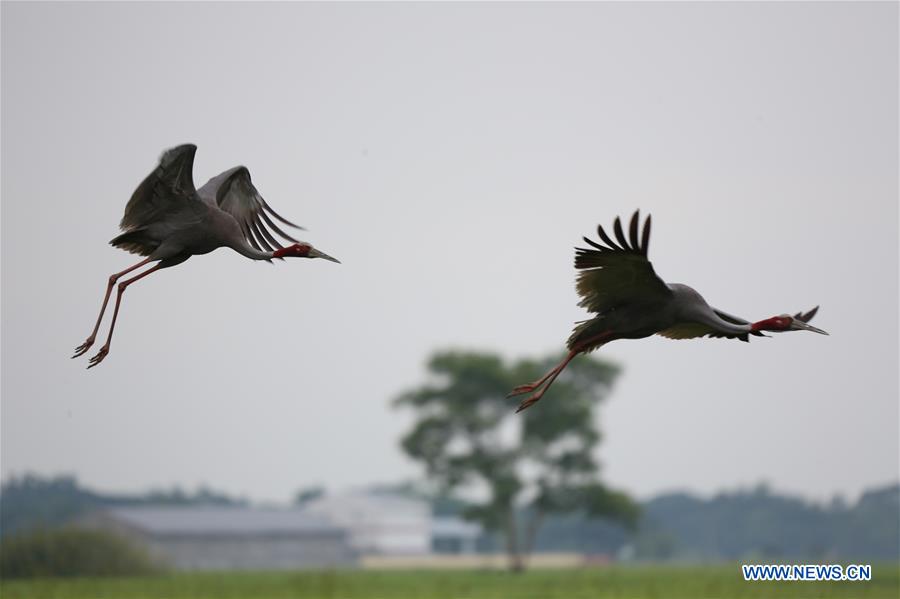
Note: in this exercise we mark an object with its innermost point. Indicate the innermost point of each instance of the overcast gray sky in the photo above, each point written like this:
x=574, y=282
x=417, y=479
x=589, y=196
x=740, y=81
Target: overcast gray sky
x=451, y=155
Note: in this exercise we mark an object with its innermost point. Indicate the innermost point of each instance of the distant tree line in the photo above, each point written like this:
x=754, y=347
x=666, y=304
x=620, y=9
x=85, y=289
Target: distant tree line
x=31, y=502
x=753, y=523
x=759, y=523
x=73, y=552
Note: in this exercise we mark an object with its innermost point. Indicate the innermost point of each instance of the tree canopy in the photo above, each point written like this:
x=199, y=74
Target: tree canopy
x=469, y=439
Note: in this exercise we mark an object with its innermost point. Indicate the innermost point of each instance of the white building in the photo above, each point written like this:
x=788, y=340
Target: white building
x=383, y=524
x=453, y=535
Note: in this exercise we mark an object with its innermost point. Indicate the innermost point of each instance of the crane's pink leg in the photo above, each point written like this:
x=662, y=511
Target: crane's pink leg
x=112, y=281
x=549, y=378
x=529, y=387
x=544, y=383
x=122, y=287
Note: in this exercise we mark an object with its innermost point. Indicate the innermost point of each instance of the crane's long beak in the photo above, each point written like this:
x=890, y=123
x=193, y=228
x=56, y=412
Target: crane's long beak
x=799, y=325
x=314, y=253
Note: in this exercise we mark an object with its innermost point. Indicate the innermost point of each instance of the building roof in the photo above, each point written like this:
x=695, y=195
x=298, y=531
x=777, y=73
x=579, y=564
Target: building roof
x=222, y=520
x=451, y=526
x=361, y=505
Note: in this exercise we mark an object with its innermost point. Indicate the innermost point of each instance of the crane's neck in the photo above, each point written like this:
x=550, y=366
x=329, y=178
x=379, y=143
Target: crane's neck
x=720, y=324
x=692, y=307
x=776, y=323
x=245, y=249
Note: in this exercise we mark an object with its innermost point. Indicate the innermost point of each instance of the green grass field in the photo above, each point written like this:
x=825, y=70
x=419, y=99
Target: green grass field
x=636, y=582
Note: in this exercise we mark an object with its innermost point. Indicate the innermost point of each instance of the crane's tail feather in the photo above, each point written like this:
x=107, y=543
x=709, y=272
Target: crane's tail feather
x=589, y=335
x=136, y=241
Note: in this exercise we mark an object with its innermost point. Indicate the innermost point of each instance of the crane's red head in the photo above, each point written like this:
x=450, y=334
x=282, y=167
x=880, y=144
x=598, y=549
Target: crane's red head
x=776, y=323
x=784, y=322
x=297, y=250
x=302, y=250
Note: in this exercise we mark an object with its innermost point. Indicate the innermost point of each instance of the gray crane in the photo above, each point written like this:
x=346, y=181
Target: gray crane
x=168, y=220
x=617, y=282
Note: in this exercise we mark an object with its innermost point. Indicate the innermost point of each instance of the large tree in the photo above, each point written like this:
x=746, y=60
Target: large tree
x=539, y=461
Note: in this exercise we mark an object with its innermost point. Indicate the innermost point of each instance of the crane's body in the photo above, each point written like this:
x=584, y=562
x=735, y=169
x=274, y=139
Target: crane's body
x=168, y=220
x=684, y=314
x=617, y=282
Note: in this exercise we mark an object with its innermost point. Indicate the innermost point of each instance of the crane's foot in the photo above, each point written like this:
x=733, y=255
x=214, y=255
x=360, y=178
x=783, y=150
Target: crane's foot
x=527, y=388
x=529, y=401
x=99, y=357
x=82, y=349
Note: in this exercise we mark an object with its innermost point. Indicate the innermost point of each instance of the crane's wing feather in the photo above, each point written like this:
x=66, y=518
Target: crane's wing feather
x=806, y=317
x=234, y=193
x=687, y=330
x=618, y=272
x=163, y=191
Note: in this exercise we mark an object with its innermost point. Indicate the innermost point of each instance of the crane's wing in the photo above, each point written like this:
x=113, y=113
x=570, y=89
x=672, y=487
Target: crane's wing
x=618, y=273
x=164, y=190
x=234, y=193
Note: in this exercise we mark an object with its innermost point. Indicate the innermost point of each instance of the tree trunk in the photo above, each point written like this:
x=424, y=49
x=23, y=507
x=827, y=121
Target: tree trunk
x=537, y=518
x=512, y=543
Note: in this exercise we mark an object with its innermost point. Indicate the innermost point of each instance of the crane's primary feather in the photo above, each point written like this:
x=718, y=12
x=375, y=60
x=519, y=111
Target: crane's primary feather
x=618, y=273
x=234, y=192
x=808, y=316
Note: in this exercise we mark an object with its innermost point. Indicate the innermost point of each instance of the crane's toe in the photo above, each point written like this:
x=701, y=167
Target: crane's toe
x=82, y=349
x=527, y=403
x=527, y=388
x=99, y=357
